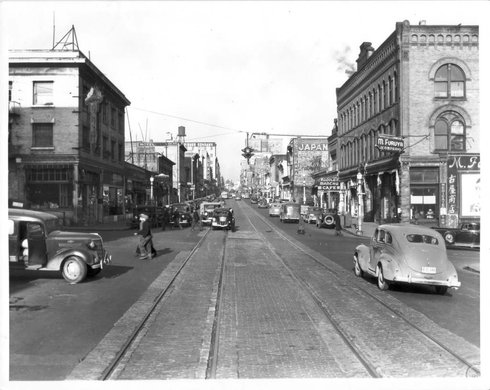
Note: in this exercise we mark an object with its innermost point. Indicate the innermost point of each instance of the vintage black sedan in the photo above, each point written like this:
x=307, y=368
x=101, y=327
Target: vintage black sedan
x=409, y=254
x=37, y=243
x=466, y=235
x=223, y=219
x=326, y=219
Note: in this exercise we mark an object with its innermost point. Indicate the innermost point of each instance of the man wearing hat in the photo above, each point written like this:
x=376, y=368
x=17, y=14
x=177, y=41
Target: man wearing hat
x=145, y=243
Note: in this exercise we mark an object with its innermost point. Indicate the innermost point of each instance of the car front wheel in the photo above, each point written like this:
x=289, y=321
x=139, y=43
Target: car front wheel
x=74, y=270
x=449, y=237
x=382, y=283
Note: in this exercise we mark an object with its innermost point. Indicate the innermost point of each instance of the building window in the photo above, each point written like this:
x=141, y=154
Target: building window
x=10, y=91
x=86, y=138
x=105, y=108
x=424, y=190
x=121, y=122
x=42, y=135
x=450, y=133
x=449, y=81
x=113, y=118
x=43, y=93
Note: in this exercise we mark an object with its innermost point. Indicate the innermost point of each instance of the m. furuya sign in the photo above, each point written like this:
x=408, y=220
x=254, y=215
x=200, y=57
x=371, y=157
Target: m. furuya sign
x=389, y=143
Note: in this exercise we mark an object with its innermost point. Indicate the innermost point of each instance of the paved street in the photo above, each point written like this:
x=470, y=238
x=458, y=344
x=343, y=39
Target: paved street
x=280, y=315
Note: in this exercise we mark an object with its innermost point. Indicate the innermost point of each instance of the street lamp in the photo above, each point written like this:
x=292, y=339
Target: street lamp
x=304, y=190
x=359, y=199
x=151, y=188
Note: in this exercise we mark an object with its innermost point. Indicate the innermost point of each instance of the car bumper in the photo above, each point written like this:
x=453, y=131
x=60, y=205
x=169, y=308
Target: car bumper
x=428, y=281
x=219, y=225
x=103, y=262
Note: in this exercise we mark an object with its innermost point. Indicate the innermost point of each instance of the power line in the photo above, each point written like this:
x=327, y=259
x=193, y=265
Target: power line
x=188, y=120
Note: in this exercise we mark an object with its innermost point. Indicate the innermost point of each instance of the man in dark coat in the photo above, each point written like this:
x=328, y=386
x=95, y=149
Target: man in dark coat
x=338, y=227
x=145, y=244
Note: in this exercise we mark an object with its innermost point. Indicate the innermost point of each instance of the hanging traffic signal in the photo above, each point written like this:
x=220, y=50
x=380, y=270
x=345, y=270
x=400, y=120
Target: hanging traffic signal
x=247, y=152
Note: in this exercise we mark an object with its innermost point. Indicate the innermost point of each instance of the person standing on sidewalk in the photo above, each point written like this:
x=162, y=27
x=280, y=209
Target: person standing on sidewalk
x=145, y=243
x=176, y=216
x=338, y=227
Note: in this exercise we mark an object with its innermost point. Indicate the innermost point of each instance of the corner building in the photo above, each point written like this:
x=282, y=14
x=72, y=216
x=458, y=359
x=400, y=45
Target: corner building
x=420, y=89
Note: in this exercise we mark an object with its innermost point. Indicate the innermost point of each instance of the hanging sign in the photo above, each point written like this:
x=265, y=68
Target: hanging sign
x=329, y=184
x=388, y=143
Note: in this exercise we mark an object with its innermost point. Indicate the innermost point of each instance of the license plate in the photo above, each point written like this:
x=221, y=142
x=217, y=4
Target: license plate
x=429, y=270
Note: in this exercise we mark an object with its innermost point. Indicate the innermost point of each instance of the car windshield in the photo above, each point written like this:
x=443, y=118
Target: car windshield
x=222, y=212
x=211, y=206
x=422, y=238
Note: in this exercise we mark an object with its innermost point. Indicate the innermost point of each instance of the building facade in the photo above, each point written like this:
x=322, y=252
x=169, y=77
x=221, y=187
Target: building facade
x=408, y=126
x=66, y=136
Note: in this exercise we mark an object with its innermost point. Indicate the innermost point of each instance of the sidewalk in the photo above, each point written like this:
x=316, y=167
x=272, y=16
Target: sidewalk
x=368, y=229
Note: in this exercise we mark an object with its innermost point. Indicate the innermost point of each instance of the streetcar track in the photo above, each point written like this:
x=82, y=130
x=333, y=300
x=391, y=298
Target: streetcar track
x=371, y=368
x=121, y=355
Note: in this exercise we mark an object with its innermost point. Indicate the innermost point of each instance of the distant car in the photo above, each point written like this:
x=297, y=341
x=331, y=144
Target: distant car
x=466, y=235
x=254, y=200
x=37, y=243
x=409, y=254
x=155, y=215
x=326, y=219
x=275, y=209
x=223, y=219
x=263, y=204
x=206, y=211
x=185, y=214
x=313, y=214
x=289, y=212
x=238, y=197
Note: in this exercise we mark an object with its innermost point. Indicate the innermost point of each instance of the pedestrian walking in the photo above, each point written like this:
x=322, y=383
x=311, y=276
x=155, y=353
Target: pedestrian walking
x=165, y=217
x=195, y=220
x=145, y=244
x=338, y=227
x=176, y=216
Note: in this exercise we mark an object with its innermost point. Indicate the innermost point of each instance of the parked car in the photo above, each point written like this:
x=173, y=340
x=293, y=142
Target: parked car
x=405, y=253
x=275, y=210
x=185, y=214
x=313, y=214
x=206, y=211
x=223, y=219
x=466, y=235
x=289, y=212
x=37, y=243
x=155, y=215
x=263, y=204
x=254, y=199
x=326, y=219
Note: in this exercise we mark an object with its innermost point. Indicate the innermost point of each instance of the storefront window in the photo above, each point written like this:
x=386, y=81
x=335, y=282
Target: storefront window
x=423, y=202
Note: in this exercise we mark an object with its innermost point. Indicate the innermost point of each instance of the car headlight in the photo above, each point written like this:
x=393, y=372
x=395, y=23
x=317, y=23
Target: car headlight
x=91, y=245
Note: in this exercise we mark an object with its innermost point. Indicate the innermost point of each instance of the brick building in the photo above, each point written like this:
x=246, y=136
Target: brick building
x=66, y=136
x=408, y=127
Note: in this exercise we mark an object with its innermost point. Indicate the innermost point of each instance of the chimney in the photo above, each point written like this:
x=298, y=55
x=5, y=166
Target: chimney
x=366, y=52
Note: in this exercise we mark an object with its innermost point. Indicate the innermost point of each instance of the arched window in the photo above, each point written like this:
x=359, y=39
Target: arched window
x=385, y=93
x=450, y=132
x=390, y=91
x=449, y=81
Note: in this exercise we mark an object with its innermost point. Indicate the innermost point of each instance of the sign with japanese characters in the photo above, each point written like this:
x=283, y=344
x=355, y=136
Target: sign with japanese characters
x=463, y=187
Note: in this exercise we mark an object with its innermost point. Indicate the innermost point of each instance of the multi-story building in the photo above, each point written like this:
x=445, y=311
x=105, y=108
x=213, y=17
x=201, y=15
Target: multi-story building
x=408, y=126
x=66, y=135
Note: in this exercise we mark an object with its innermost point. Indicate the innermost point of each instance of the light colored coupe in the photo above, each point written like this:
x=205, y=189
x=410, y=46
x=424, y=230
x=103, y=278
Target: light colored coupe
x=274, y=210
x=405, y=253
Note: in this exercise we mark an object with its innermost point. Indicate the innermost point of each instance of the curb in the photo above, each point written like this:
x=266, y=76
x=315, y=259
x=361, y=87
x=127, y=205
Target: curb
x=471, y=269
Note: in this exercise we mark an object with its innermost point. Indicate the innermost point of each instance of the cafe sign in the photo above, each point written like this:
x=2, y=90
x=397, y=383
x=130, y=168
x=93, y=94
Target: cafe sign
x=388, y=143
x=329, y=184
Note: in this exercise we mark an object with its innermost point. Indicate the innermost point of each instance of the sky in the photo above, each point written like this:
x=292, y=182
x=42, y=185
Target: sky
x=224, y=68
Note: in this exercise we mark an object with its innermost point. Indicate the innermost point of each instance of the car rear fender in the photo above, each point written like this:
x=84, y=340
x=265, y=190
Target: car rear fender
x=390, y=266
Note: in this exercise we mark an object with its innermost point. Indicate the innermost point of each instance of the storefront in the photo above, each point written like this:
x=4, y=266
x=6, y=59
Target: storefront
x=460, y=194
